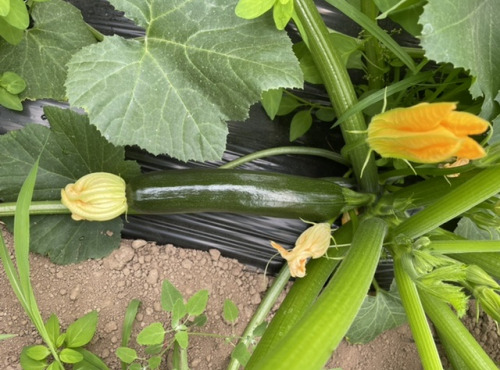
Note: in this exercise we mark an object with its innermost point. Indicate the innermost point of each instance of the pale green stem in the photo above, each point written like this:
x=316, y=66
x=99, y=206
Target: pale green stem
x=263, y=310
x=312, y=340
x=416, y=317
x=340, y=91
x=456, y=334
x=286, y=150
x=44, y=207
x=464, y=246
x=476, y=190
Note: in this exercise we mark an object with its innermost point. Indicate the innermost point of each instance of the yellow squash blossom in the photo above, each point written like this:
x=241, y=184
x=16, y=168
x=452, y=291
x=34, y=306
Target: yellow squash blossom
x=98, y=196
x=312, y=243
x=426, y=133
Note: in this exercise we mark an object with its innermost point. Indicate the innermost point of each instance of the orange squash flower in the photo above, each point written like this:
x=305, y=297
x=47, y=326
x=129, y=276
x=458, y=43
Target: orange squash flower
x=426, y=133
x=312, y=243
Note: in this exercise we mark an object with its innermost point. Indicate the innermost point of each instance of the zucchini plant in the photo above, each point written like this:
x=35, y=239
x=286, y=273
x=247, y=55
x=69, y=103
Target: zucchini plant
x=420, y=141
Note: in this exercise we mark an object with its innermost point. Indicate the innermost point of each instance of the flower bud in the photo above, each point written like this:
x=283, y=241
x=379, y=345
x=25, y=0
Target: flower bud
x=426, y=133
x=489, y=301
x=98, y=196
x=312, y=243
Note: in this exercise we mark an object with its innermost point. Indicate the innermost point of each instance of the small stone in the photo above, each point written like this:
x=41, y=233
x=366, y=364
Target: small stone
x=256, y=298
x=119, y=258
x=152, y=277
x=75, y=292
x=196, y=362
x=157, y=306
x=214, y=253
x=136, y=244
x=110, y=327
x=187, y=264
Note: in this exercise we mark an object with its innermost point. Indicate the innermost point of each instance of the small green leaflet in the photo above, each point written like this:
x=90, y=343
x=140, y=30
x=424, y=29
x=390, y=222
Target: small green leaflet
x=74, y=148
x=466, y=34
x=40, y=58
x=198, y=66
x=376, y=315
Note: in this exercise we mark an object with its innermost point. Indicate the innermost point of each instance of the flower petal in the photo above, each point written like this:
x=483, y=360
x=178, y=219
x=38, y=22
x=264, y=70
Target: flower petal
x=419, y=118
x=470, y=149
x=464, y=124
x=424, y=147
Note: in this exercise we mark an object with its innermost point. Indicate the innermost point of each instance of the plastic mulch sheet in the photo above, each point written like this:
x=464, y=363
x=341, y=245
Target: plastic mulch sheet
x=242, y=237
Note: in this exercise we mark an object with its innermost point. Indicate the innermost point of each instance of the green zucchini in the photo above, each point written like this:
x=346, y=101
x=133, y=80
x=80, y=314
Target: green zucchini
x=240, y=191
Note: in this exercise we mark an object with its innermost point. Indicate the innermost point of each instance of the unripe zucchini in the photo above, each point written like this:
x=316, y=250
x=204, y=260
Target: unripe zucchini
x=240, y=191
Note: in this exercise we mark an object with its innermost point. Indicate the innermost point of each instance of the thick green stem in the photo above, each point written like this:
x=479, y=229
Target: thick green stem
x=375, y=62
x=286, y=150
x=416, y=317
x=479, y=188
x=312, y=340
x=464, y=246
x=456, y=334
x=263, y=310
x=340, y=91
x=301, y=296
x=45, y=207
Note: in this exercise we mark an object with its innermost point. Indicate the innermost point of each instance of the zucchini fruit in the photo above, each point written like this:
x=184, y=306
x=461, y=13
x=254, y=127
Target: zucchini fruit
x=240, y=191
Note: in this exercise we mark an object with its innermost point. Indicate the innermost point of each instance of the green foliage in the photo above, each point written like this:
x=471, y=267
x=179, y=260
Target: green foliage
x=301, y=123
x=171, y=92
x=41, y=55
x=11, y=84
x=377, y=314
x=71, y=149
x=231, y=311
x=158, y=340
x=448, y=26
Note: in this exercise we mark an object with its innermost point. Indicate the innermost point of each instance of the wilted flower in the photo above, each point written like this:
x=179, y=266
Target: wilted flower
x=426, y=133
x=98, y=196
x=312, y=243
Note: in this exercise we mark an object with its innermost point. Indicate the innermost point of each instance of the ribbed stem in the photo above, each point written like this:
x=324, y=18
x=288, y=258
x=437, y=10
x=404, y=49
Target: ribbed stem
x=416, y=317
x=340, y=91
x=312, y=340
x=479, y=188
x=456, y=334
x=301, y=296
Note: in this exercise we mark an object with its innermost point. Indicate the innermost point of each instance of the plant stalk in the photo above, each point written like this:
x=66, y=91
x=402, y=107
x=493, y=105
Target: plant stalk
x=301, y=296
x=312, y=340
x=464, y=246
x=263, y=310
x=340, y=91
x=416, y=317
x=482, y=186
x=286, y=150
x=456, y=334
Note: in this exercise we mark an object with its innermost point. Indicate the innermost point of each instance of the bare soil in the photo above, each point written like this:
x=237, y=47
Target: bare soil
x=137, y=270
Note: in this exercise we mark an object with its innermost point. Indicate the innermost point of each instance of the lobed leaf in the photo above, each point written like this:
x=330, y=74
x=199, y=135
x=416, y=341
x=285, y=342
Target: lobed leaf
x=377, y=314
x=466, y=34
x=198, y=66
x=41, y=55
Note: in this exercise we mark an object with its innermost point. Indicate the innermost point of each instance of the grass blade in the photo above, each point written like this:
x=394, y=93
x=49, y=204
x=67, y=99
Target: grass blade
x=380, y=94
x=21, y=232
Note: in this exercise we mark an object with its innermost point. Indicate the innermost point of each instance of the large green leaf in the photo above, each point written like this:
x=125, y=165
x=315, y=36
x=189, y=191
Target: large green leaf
x=40, y=58
x=378, y=313
x=467, y=34
x=71, y=149
x=198, y=66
